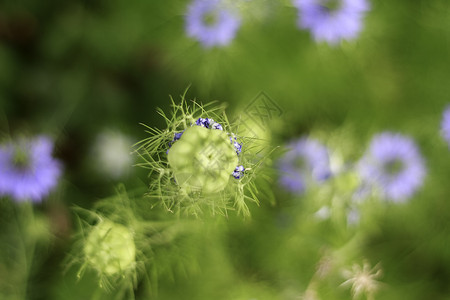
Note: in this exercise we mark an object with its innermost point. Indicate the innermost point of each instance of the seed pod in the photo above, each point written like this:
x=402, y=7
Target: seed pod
x=110, y=248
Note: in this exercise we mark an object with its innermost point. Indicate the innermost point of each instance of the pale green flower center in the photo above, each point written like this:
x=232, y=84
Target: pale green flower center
x=203, y=160
x=301, y=164
x=394, y=167
x=331, y=5
x=210, y=18
x=21, y=158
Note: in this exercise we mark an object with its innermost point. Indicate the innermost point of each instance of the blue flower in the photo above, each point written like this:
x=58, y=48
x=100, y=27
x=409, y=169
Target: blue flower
x=27, y=169
x=307, y=162
x=394, y=165
x=237, y=146
x=217, y=126
x=332, y=20
x=205, y=122
x=238, y=173
x=445, y=125
x=212, y=22
x=208, y=123
x=176, y=137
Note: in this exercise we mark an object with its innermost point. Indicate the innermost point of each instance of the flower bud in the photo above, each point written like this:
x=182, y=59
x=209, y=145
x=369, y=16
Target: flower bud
x=110, y=248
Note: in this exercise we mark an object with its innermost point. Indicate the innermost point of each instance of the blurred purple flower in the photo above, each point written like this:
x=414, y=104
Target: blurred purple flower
x=27, y=169
x=306, y=162
x=445, y=125
x=212, y=22
x=332, y=20
x=394, y=165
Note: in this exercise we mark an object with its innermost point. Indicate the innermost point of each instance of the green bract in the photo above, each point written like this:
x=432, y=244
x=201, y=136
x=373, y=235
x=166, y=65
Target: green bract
x=203, y=160
x=110, y=248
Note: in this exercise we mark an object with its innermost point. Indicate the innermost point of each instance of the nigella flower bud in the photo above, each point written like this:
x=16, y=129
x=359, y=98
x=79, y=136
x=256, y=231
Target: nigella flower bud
x=202, y=163
x=202, y=160
x=110, y=248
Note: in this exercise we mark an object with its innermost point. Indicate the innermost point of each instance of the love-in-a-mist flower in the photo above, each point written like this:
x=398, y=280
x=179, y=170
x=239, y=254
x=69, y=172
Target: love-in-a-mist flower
x=393, y=165
x=199, y=162
x=306, y=163
x=110, y=248
x=28, y=170
x=332, y=20
x=445, y=125
x=212, y=22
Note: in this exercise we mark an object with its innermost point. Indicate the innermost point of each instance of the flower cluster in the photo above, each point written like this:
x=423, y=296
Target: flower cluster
x=392, y=166
x=216, y=22
x=28, y=170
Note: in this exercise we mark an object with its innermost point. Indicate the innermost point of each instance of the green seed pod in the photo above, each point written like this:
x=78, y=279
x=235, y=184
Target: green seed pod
x=110, y=248
x=203, y=160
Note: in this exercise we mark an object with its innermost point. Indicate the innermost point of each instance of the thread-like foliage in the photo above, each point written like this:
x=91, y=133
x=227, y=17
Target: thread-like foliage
x=164, y=189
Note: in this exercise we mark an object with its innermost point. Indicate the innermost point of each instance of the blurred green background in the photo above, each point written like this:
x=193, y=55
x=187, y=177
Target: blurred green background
x=73, y=69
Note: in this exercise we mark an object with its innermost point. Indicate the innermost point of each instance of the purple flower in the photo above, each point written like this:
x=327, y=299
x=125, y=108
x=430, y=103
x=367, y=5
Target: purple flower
x=212, y=22
x=445, y=125
x=176, y=137
x=208, y=123
x=217, y=126
x=332, y=20
x=205, y=122
x=27, y=169
x=306, y=162
x=237, y=146
x=394, y=165
x=238, y=173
